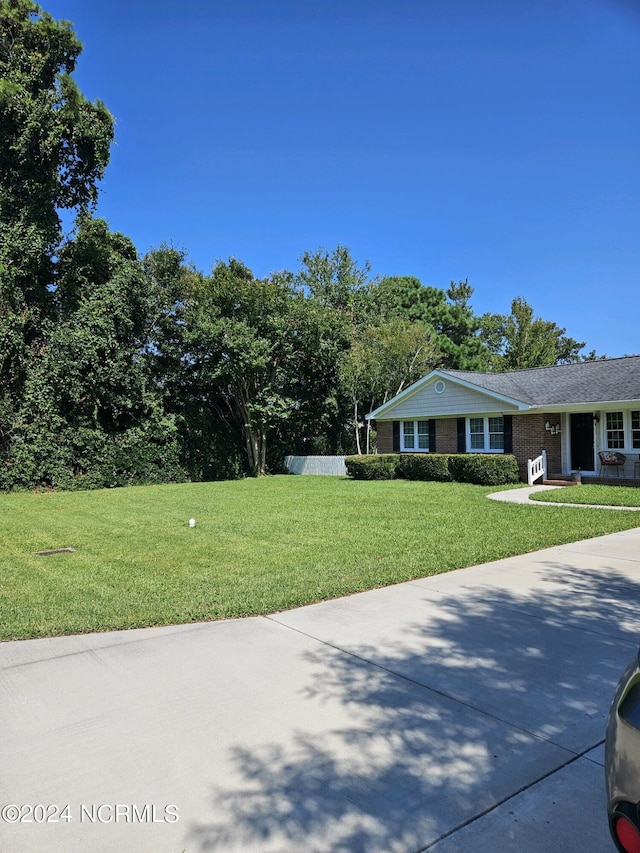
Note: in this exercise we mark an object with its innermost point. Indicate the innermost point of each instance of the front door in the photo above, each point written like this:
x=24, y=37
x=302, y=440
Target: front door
x=582, y=442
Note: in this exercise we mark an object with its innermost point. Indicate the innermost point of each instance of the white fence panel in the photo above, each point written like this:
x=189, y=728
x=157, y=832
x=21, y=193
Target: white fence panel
x=318, y=465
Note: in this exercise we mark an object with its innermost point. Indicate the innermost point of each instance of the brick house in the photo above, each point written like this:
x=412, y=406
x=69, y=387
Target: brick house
x=572, y=411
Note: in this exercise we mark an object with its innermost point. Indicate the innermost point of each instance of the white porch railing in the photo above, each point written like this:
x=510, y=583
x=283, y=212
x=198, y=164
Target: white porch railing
x=537, y=468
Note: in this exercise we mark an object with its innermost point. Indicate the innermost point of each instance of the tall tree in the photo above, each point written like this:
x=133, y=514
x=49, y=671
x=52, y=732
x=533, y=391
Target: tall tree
x=448, y=313
x=334, y=279
x=54, y=147
x=209, y=449
x=382, y=361
x=250, y=344
x=520, y=340
x=92, y=412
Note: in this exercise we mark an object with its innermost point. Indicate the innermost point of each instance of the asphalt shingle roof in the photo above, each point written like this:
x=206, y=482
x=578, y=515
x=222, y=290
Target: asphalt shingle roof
x=606, y=380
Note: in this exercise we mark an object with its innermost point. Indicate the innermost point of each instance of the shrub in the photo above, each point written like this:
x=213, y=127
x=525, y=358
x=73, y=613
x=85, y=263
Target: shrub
x=63, y=457
x=484, y=469
x=424, y=466
x=377, y=467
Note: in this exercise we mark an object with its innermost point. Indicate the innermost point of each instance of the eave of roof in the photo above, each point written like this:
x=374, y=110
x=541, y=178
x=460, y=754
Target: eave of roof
x=443, y=374
x=601, y=381
x=579, y=386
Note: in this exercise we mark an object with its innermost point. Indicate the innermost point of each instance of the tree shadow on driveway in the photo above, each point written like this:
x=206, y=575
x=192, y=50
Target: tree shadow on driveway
x=457, y=700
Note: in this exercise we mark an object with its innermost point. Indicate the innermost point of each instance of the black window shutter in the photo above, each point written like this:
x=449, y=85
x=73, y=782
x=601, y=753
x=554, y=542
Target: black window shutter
x=462, y=435
x=432, y=435
x=508, y=434
x=396, y=436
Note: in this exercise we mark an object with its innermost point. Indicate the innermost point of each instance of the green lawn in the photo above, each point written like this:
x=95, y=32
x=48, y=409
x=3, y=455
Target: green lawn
x=258, y=546
x=599, y=495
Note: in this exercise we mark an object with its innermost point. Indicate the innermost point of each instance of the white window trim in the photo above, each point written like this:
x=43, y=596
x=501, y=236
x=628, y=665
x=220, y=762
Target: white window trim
x=626, y=426
x=485, y=419
x=415, y=449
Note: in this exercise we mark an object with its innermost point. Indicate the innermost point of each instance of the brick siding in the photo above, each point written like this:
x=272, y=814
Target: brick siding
x=384, y=440
x=529, y=439
x=447, y=435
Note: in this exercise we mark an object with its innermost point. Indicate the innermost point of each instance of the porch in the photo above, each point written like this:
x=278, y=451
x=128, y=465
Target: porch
x=566, y=480
x=612, y=481
x=587, y=435
x=623, y=475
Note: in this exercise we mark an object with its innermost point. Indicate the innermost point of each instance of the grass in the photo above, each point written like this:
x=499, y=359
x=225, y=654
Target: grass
x=258, y=546
x=598, y=495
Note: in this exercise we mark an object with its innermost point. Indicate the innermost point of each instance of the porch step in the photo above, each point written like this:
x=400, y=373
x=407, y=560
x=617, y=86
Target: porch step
x=559, y=482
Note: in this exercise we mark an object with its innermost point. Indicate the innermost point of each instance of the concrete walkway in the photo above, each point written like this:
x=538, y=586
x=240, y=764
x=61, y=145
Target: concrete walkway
x=521, y=496
x=459, y=712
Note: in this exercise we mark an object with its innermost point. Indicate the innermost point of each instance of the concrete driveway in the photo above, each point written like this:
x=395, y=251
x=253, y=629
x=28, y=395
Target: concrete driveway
x=460, y=712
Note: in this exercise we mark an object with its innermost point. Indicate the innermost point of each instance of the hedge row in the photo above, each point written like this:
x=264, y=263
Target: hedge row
x=382, y=466
x=484, y=469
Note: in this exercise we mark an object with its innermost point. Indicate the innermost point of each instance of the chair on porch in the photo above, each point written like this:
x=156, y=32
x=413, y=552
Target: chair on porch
x=611, y=459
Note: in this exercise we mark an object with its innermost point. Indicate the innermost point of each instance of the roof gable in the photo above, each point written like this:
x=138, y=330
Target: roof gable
x=603, y=381
x=441, y=393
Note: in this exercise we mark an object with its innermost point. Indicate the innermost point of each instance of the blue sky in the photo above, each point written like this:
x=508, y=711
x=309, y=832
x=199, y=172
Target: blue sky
x=491, y=139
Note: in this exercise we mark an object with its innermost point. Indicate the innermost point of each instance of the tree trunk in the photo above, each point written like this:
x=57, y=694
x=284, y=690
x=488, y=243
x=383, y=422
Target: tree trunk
x=263, y=453
x=371, y=404
x=356, y=427
x=252, y=443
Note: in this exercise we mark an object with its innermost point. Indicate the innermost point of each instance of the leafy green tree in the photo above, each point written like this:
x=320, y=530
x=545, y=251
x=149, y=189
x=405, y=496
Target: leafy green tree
x=521, y=340
x=316, y=423
x=381, y=362
x=400, y=296
x=252, y=346
x=592, y=355
x=210, y=440
x=448, y=313
x=54, y=147
x=91, y=412
x=334, y=280
x=172, y=280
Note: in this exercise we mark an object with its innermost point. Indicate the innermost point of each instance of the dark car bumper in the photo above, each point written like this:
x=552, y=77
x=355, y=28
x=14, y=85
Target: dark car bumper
x=622, y=761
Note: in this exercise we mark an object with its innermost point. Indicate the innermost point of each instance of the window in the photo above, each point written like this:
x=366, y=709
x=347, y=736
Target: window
x=615, y=430
x=485, y=435
x=408, y=435
x=496, y=433
x=415, y=435
x=476, y=433
x=423, y=435
x=635, y=429
x=618, y=427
